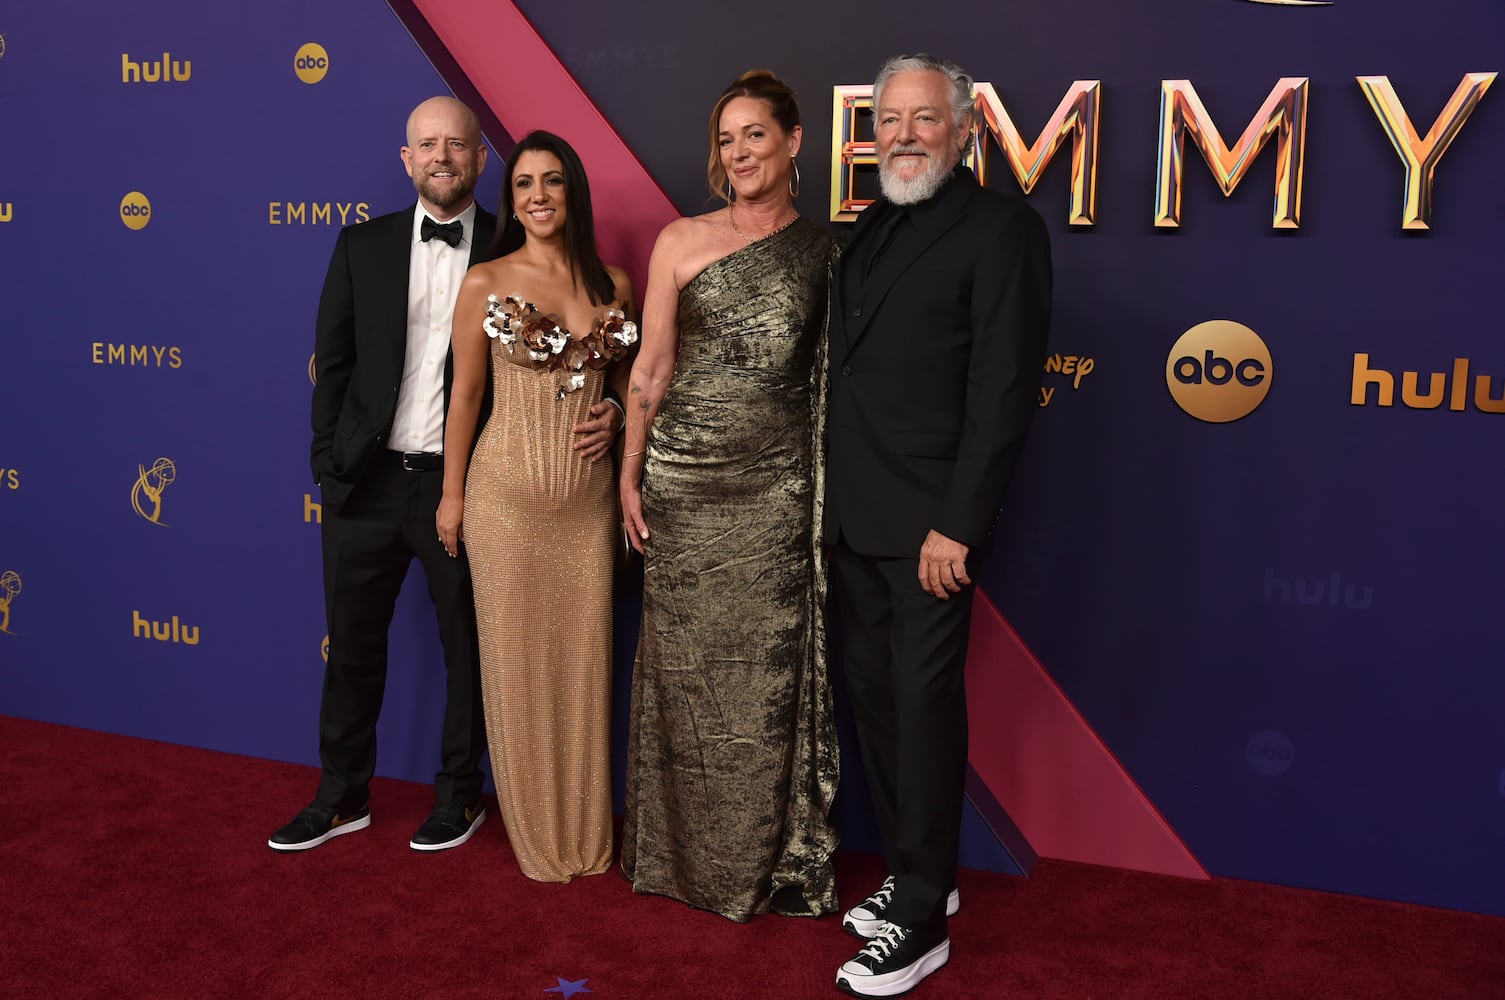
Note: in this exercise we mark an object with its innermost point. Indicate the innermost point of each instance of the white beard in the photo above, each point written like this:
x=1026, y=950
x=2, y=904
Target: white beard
x=917, y=189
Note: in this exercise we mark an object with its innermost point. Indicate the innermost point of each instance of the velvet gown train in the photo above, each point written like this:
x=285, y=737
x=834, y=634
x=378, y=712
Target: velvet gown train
x=732, y=758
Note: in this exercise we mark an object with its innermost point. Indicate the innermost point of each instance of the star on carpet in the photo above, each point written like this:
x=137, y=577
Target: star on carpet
x=567, y=989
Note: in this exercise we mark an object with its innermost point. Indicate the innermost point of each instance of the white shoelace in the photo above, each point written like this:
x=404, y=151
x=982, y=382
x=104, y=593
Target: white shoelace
x=884, y=942
x=878, y=901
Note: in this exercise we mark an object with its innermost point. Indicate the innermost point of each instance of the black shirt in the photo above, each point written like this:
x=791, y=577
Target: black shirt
x=891, y=234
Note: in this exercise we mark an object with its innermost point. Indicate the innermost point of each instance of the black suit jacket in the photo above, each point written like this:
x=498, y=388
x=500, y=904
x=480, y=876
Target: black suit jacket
x=360, y=344
x=935, y=370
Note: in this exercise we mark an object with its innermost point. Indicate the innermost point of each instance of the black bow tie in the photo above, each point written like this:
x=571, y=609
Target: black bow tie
x=450, y=232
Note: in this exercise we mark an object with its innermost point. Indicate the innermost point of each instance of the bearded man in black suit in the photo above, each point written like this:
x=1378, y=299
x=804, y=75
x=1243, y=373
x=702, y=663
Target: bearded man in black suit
x=384, y=369
x=939, y=316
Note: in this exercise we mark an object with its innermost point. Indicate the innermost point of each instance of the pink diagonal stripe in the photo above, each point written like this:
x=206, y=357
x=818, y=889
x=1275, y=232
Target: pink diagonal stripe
x=1050, y=772
x=527, y=88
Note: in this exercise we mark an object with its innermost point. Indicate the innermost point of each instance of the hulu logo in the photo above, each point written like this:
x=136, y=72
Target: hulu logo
x=165, y=70
x=1450, y=387
x=1332, y=592
x=168, y=631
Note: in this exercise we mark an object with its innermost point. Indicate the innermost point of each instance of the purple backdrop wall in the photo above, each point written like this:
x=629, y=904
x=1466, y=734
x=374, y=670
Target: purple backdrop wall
x=249, y=171
x=1282, y=626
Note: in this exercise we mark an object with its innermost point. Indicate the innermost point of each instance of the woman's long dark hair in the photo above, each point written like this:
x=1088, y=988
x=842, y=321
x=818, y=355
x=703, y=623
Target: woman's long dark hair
x=579, y=225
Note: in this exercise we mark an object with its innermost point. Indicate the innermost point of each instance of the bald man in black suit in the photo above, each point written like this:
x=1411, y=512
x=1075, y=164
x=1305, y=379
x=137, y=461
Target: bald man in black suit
x=384, y=369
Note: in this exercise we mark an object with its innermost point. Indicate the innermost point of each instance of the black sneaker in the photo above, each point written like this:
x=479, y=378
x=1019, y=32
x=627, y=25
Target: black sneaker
x=448, y=827
x=864, y=919
x=313, y=826
x=894, y=961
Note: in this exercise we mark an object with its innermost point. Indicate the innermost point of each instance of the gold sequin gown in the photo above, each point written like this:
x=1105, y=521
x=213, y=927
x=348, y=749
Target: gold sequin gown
x=732, y=758
x=540, y=527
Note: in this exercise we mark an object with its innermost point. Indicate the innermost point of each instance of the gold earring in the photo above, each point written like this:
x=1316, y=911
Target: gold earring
x=794, y=183
x=728, y=189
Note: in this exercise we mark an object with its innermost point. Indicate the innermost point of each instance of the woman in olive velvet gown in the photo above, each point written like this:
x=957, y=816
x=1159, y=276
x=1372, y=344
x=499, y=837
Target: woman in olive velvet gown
x=732, y=759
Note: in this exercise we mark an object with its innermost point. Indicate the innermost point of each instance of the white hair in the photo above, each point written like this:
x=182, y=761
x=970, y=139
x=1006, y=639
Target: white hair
x=914, y=190
x=961, y=82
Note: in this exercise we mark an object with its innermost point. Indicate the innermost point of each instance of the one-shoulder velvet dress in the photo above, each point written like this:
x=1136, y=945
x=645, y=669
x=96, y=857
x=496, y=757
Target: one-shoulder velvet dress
x=732, y=758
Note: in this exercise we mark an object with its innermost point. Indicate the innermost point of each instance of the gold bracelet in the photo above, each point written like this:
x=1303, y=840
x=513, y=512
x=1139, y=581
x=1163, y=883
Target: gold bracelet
x=634, y=454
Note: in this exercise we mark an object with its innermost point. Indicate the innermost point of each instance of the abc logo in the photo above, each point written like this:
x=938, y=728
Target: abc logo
x=313, y=372
x=1270, y=753
x=311, y=63
x=1219, y=371
x=135, y=210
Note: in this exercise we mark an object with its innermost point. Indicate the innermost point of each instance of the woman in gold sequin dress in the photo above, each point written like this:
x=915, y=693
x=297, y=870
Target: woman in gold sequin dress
x=535, y=507
x=732, y=760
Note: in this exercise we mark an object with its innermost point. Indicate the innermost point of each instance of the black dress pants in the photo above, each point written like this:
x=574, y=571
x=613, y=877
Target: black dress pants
x=387, y=521
x=905, y=659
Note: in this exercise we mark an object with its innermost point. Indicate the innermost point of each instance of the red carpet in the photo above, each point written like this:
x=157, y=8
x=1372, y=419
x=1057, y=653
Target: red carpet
x=130, y=868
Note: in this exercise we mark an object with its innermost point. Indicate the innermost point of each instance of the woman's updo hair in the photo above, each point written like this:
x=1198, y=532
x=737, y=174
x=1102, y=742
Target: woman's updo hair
x=764, y=86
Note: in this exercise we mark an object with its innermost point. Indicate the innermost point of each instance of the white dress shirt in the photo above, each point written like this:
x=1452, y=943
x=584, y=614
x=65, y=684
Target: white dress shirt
x=434, y=276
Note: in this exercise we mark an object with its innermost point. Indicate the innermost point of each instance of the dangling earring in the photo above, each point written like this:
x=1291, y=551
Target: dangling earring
x=794, y=183
x=515, y=218
x=728, y=189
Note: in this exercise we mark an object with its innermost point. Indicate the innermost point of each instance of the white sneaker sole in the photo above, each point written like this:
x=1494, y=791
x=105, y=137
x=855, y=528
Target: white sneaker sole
x=894, y=984
x=334, y=831
x=867, y=927
x=452, y=843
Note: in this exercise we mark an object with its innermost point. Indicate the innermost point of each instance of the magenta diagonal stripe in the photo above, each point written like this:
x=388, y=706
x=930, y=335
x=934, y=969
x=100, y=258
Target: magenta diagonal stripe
x=527, y=87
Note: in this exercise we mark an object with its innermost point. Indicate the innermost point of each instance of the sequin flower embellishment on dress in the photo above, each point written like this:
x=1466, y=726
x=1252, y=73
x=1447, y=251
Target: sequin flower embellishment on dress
x=549, y=345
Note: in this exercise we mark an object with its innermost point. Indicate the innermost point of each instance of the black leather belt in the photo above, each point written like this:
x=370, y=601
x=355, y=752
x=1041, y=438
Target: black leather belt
x=421, y=461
